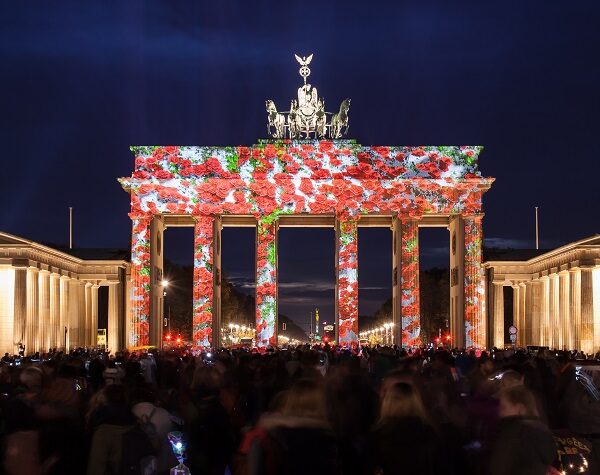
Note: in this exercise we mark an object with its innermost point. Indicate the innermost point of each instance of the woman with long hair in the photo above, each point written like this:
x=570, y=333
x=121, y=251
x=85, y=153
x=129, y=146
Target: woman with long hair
x=523, y=443
x=404, y=440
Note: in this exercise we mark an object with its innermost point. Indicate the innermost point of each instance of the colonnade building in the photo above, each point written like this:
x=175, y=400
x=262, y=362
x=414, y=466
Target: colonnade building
x=52, y=298
x=551, y=297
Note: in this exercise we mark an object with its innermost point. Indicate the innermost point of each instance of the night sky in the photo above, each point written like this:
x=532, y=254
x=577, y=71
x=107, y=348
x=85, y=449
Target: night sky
x=81, y=81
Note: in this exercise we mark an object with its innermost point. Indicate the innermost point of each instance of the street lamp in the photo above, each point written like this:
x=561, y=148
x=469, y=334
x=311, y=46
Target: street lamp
x=386, y=326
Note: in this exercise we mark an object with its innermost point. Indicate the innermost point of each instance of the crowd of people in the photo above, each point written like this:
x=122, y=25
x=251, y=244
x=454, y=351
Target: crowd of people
x=301, y=410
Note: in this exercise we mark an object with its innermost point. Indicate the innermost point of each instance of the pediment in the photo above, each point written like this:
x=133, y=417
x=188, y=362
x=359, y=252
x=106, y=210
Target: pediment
x=9, y=239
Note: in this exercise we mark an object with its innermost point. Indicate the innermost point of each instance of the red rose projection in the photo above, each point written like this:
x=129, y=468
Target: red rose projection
x=337, y=177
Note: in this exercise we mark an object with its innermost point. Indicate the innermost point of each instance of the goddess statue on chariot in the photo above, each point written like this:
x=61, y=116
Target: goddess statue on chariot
x=307, y=117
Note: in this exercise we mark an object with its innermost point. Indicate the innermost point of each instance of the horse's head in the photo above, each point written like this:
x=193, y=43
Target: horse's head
x=270, y=106
x=345, y=105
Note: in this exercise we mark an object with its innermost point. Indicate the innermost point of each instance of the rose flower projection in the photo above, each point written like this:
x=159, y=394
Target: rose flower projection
x=337, y=178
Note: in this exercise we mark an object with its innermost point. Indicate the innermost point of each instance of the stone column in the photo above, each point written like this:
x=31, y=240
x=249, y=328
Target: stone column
x=596, y=306
x=32, y=320
x=114, y=290
x=498, y=315
x=217, y=273
x=54, y=332
x=73, y=319
x=457, y=281
x=140, y=282
x=93, y=330
x=536, y=311
x=81, y=323
x=475, y=324
x=554, y=311
x=575, y=306
x=88, y=315
x=516, y=313
x=266, y=283
x=347, y=281
x=203, y=290
x=587, y=311
x=409, y=282
x=522, y=335
x=564, y=310
x=20, y=306
x=44, y=311
x=7, y=313
x=396, y=291
x=527, y=333
x=127, y=330
x=545, y=329
x=65, y=301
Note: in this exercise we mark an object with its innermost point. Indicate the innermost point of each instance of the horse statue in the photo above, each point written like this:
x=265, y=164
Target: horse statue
x=276, y=121
x=293, y=120
x=339, y=121
x=321, y=119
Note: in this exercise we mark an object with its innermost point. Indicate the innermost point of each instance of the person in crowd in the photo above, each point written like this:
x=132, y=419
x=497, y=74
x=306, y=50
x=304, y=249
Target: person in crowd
x=304, y=409
x=211, y=439
x=404, y=440
x=118, y=446
x=159, y=420
x=113, y=374
x=523, y=444
x=297, y=439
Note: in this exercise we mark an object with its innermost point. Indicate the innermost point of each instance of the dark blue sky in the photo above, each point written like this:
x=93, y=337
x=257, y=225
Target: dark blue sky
x=81, y=81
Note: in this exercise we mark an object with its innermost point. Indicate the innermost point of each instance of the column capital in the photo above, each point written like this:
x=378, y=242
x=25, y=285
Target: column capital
x=44, y=271
x=544, y=278
x=140, y=216
x=408, y=217
x=345, y=218
x=473, y=216
x=204, y=217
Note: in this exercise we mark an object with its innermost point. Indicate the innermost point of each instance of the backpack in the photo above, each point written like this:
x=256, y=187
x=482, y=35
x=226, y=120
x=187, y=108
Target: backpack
x=138, y=455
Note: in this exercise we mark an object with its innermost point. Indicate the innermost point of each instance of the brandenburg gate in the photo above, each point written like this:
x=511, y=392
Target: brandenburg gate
x=307, y=175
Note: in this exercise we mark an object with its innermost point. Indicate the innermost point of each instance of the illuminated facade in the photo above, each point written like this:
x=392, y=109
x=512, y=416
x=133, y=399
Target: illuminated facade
x=552, y=298
x=49, y=298
x=306, y=183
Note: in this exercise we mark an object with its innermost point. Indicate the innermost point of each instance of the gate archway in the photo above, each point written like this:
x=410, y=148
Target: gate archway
x=275, y=182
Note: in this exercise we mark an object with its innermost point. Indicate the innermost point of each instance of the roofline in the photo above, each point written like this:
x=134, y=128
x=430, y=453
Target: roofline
x=55, y=252
x=552, y=253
